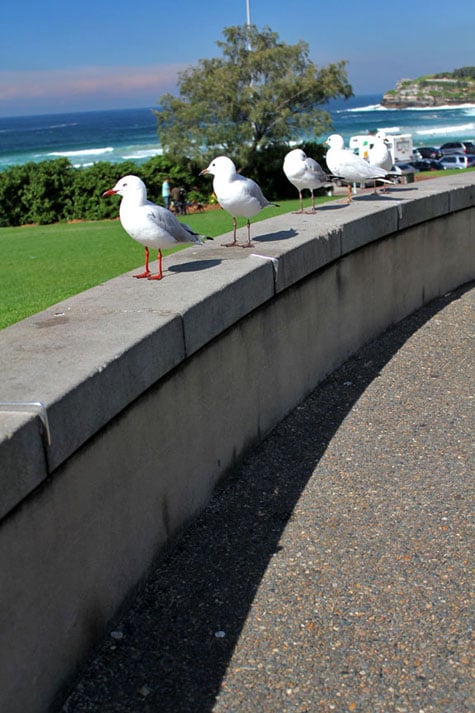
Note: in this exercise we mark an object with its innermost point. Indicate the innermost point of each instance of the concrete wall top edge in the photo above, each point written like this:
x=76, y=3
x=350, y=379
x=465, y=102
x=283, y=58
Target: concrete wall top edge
x=22, y=443
x=89, y=356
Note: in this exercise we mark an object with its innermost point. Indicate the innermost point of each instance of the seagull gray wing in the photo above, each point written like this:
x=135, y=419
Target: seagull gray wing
x=350, y=167
x=252, y=189
x=315, y=169
x=167, y=222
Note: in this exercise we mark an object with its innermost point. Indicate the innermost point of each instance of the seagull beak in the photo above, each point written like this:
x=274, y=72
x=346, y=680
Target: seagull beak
x=203, y=172
x=110, y=192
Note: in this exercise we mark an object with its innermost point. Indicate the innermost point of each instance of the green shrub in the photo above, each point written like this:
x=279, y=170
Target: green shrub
x=55, y=191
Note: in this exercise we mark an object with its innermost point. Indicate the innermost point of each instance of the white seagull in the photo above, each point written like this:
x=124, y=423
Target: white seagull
x=239, y=196
x=304, y=172
x=149, y=224
x=343, y=163
x=379, y=154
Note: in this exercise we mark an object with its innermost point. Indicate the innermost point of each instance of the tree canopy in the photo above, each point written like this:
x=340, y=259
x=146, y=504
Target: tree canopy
x=260, y=93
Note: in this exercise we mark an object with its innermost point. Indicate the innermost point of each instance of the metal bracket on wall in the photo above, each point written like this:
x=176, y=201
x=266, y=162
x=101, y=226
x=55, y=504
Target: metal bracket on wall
x=35, y=406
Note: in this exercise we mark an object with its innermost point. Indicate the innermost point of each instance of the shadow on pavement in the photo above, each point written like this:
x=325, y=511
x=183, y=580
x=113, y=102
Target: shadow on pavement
x=180, y=631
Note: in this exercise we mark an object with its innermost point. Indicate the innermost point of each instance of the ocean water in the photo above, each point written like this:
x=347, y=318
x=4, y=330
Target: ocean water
x=130, y=134
x=83, y=137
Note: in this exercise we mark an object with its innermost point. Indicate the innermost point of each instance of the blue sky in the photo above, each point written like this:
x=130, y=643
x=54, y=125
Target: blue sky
x=59, y=56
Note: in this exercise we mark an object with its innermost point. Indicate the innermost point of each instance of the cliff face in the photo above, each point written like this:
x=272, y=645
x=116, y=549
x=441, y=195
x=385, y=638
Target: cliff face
x=430, y=91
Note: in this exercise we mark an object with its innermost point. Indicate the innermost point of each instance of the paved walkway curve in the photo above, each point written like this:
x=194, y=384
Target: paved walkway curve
x=331, y=571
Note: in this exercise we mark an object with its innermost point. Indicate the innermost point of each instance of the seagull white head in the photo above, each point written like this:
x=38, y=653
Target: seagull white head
x=295, y=154
x=222, y=166
x=335, y=141
x=128, y=185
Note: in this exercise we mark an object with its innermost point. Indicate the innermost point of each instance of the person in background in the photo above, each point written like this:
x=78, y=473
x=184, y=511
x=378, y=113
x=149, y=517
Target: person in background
x=175, y=196
x=183, y=210
x=166, y=192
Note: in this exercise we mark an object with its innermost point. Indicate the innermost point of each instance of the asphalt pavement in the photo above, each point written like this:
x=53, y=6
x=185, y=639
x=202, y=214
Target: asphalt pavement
x=333, y=569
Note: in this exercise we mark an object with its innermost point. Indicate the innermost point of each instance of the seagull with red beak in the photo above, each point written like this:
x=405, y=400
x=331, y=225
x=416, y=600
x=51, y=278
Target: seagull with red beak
x=149, y=224
x=238, y=195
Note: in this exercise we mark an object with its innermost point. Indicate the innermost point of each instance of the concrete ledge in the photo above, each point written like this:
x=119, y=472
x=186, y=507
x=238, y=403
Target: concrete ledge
x=153, y=390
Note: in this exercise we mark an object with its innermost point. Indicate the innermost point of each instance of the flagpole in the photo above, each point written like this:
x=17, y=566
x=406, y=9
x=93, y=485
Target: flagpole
x=248, y=22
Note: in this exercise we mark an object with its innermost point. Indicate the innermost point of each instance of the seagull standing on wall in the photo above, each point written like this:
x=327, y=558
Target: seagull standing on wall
x=304, y=172
x=239, y=196
x=380, y=155
x=343, y=163
x=149, y=224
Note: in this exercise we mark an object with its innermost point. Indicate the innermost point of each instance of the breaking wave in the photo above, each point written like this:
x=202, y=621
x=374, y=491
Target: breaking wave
x=82, y=152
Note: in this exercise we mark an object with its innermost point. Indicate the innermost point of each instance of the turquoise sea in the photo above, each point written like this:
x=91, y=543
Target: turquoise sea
x=130, y=134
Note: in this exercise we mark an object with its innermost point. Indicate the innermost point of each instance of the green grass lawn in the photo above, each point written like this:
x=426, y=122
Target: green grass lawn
x=42, y=265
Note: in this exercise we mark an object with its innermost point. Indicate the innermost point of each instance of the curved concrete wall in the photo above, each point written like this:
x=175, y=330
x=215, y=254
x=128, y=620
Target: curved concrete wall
x=153, y=390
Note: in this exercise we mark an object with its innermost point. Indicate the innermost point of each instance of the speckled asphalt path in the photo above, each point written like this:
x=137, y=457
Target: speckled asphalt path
x=333, y=569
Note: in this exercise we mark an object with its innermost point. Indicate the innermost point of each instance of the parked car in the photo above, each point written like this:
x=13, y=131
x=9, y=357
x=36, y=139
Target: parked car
x=427, y=164
x=453, y=147
x=426, y=152
x=458, y=161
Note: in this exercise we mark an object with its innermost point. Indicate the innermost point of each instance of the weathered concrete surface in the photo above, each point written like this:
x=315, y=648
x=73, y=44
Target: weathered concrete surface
x=333, y=571
x=153, y=391
x=90, y=356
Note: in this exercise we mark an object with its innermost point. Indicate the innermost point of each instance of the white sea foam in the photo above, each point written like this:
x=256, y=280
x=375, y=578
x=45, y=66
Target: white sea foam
x=83, y=152
x=390, y=129
x=62, y=126
x=370, y=107
x=457, y=129
x=142, y=153
x=444, y=107
x=380, y=107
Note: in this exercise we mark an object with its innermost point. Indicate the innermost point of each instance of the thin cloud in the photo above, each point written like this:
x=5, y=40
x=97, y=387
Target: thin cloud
x=88, y=82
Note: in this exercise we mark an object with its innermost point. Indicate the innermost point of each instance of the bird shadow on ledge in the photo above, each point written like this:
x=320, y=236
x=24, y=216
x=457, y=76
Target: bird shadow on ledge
x=376, y=197
x=194, y=266
x=279, y=235
x=205, y=582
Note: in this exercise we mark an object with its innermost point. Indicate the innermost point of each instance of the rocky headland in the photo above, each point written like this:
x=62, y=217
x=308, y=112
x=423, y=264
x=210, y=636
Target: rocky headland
x=453, y=88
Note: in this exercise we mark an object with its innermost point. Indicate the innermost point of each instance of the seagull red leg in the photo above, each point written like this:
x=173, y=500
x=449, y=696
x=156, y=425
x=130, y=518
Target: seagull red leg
x=158, y=276
x=147, y=272
x=235, y=242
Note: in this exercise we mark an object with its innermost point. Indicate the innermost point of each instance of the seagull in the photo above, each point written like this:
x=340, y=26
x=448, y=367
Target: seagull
x=149, y=224
x=343, y=163
x=304, y=172
x=379, y=154
x=239, y=196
